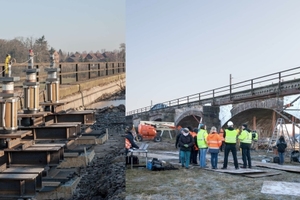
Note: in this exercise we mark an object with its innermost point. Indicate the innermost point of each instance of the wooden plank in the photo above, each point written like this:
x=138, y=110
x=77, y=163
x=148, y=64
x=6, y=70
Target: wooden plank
x=258, y=175
x=71, y=154
x=13, y=142
x=51, y=183
x=285, y=167
x=24, y=170
x=3, y=167
x=18, y=176
x=27, y=144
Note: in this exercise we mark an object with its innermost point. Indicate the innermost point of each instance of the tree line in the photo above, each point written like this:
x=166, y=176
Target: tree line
x=19, y=47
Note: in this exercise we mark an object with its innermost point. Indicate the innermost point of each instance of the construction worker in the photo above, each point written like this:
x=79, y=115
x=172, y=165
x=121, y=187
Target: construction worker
x=186, y=142
x=254, y=140
x=281, y=146
x=194, y=152
x=230, y=135
x=246, y=139
x=221, y=134
x=214, y=142
x=202, y=145
x=129, y=140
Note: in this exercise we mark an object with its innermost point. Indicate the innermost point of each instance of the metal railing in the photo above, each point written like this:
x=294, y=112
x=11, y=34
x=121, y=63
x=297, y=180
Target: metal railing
x=70, y=72
x=278, y=78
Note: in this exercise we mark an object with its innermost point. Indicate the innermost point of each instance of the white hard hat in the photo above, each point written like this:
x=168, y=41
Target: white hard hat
x=229, y=123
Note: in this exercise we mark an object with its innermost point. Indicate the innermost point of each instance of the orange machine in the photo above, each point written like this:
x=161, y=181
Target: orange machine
x=147, y=132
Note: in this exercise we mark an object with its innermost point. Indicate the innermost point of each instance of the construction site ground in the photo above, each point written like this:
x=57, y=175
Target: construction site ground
x=263, y=181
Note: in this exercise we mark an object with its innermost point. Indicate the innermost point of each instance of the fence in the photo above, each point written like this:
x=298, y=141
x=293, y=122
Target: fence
x=247, y=85
x=69, y=72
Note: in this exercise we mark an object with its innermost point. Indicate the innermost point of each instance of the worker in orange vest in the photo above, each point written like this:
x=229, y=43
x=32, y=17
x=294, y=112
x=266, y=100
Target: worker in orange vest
x=129, y=141
x=221, y=134
x=195, y=150
x=214, y=142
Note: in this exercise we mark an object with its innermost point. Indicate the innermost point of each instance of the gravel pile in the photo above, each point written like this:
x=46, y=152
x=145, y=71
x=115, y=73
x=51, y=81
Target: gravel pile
x=104, y=178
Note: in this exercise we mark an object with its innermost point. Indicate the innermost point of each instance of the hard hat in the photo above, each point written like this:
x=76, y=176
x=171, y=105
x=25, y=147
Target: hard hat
x=229, y=123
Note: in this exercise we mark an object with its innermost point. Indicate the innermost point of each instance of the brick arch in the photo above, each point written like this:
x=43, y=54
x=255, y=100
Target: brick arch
x=188, y=113
x=257, y=104
x=158, y=117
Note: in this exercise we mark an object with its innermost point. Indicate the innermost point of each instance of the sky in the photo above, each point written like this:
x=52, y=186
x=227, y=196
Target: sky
x=176, y=48
x=70, y=25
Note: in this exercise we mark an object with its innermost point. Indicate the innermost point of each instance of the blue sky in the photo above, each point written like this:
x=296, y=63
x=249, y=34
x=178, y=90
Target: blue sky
x=68, y=25
x=177, y=48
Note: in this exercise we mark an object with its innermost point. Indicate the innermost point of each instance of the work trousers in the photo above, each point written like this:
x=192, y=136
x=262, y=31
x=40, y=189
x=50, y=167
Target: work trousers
x=202, y=157
x=214, y=160
x=246, y=154
x=194, y=155
x=281, y=158
x=230, y=147
x=185, y=158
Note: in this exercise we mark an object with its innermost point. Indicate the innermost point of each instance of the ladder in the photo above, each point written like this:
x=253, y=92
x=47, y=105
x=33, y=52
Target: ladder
x=279, y=129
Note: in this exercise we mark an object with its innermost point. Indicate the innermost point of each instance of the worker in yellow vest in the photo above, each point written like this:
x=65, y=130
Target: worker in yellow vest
x=230, y=135
x=202, y=145
x=246, y=139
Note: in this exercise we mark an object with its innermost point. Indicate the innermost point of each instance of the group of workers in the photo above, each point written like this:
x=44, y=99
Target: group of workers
x=199, y=141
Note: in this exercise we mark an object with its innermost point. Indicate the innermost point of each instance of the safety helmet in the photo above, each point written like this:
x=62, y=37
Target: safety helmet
x=229, y=123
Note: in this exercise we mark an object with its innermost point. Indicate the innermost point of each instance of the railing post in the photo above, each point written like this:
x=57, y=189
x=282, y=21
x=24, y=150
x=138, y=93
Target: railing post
x=106, y=67
x=279, y=82
x=187, y=99
x=37, y=73
x=99, y=74
x=76, y=71
x=3, y=71
x=230, y=92
x=60, y=76
x=123, y=66
x=213, y=97
x=89, y=68
x=252, y=87
x=113, y=68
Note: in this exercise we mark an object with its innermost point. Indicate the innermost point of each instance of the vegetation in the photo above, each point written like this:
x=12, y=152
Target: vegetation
x=18, y=49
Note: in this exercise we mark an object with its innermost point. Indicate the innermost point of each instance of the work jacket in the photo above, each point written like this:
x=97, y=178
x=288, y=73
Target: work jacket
x=129, y=143
x=186, y=140
x=194, y=135
x=214, y=141
x=201, y=139
x=230, y=136
x=245, y=136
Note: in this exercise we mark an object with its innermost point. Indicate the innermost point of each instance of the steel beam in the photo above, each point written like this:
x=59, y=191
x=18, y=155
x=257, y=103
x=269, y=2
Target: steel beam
x=86, y=117
x=35, y=155
x=55, y=131
x=17, y=185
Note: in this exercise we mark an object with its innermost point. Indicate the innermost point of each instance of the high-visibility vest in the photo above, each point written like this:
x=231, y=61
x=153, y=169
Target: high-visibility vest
x=201, y=138
x=230, y=136
x=193, y=134
x=246, y=137
x=214, y=141
x=256, y=137
x=127, y=144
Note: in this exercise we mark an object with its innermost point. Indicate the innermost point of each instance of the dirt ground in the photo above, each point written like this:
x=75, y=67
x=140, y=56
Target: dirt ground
x=196, y=183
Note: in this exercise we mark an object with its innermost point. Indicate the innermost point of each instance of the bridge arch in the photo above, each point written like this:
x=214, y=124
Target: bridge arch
x=189, y=118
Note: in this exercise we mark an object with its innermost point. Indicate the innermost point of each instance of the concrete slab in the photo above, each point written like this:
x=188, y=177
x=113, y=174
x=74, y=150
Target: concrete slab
x=282, y=188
